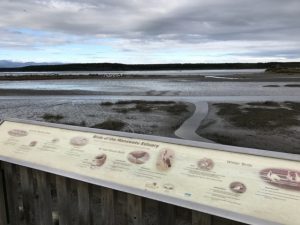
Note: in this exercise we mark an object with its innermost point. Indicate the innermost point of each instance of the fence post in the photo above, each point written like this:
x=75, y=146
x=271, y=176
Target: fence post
x=120, y=202
x=151, y=211
x=199, y=218
x=28, y=196
x=166, y=214
x=12, y=190
x=64, y=201
x=3, y=210
x=44, y=198
x=83, y=203
x=134, y=210
x=108, y=208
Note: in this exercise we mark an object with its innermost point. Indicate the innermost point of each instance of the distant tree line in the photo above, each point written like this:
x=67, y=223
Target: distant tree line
x=134, y=67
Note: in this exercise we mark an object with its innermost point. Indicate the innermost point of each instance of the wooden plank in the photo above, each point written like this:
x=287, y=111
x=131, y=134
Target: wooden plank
x=11, y=173
x=151, y=211
x=183, y=216
x=27, y=196
x=108, y=208
x=3, y=209
x=63, y=201
x=96, y=205
x=120, y=207
x=222, y=221
x=134, y=210
x=84, y=203
x=74, y=201
x=44, y=198
x=166, y=214
x=199, y=218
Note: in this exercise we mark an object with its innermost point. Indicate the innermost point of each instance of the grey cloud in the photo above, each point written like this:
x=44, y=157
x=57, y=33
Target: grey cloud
x=147, y=18
x=232, y=20
x=288, y=54
x=186, y=22
x=21, y=40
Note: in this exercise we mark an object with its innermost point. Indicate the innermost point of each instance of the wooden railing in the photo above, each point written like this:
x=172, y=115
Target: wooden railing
x=33, y=197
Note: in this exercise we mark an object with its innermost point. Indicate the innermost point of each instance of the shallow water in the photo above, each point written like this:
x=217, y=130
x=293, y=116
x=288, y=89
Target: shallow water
x=151, y=89
x=158, y=87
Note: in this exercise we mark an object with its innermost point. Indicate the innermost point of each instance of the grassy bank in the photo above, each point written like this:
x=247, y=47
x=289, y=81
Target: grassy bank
x=260, y=115
x=264, y=125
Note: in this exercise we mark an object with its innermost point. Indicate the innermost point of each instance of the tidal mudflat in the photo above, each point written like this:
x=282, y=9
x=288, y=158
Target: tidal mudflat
x=159, y=118
x=251, y=110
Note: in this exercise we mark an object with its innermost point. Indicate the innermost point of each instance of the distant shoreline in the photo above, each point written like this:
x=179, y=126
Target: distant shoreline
x=251, y=77
x=147, y=67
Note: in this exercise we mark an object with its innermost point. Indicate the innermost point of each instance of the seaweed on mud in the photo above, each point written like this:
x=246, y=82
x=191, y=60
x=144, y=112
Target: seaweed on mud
x=293, y=105
x=292, y=85
x=106, y=103
x=266, y=103
x=52, y=117
x=122, y=110
x=174, y=108
x=226, y=108
x=125, y=102
x=110, y=124
x=272, y=85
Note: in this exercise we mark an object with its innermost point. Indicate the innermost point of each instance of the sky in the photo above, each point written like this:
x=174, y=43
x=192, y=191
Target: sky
x=150, y=31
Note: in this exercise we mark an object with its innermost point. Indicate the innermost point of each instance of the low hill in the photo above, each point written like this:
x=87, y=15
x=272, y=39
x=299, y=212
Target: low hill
x=134, y=67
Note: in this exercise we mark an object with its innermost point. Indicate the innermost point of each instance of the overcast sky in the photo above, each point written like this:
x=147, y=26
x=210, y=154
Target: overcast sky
x=150, y=31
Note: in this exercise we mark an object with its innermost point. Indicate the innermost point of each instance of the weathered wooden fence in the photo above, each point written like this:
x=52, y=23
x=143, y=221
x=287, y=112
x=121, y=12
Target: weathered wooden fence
x=32, y=197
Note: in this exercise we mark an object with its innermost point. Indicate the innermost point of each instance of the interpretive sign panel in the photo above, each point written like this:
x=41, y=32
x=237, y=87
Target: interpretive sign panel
x=218, y=182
